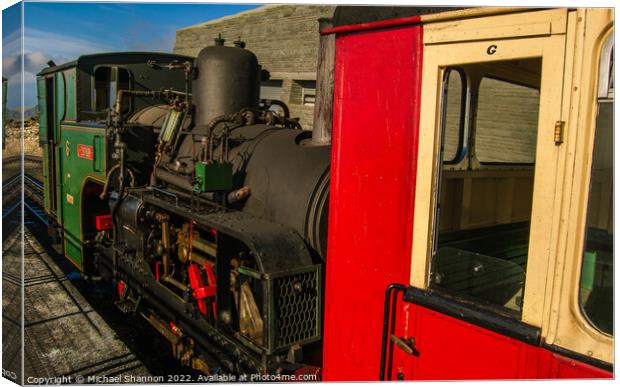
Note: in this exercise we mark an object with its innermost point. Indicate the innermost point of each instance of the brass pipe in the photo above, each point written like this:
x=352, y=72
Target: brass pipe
x=204, y=246
x=200, y=259
x=163, y=218
x=161, y=328
x=165, y=240
x=173, y=282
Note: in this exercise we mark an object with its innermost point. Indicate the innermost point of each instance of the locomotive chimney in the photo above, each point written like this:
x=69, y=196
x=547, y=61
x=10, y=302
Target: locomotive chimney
x=323, y=106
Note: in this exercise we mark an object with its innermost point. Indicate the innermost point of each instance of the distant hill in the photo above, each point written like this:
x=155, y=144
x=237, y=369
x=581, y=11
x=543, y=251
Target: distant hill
x=15, y=113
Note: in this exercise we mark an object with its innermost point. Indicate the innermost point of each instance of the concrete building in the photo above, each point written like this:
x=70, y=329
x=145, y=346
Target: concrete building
x=284, y=38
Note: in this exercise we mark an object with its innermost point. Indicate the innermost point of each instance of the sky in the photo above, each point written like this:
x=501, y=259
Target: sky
x=63, y=31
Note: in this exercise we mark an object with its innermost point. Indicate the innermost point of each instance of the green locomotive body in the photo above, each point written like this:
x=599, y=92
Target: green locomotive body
x=73, y=102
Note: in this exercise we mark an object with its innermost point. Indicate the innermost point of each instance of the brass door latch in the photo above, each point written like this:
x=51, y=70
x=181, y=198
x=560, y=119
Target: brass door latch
x=558, y=132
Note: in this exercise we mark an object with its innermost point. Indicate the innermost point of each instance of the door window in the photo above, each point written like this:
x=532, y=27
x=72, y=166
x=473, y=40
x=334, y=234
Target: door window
x=483, y=215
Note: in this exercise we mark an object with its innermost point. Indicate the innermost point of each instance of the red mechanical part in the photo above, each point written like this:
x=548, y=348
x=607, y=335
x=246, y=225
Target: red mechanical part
x=120, y=288
x=157, y=266
x=201, y=291
x=103, y=222
x=174, y=328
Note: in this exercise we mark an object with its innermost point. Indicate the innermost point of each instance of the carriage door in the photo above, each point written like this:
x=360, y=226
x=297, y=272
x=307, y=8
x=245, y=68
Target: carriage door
x=490, y=142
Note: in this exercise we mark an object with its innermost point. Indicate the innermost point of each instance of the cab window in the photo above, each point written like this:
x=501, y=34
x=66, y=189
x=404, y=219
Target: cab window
x=107, y=81
x=596, y=292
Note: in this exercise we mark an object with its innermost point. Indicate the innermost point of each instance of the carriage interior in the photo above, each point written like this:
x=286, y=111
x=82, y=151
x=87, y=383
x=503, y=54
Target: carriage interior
x=484, y=201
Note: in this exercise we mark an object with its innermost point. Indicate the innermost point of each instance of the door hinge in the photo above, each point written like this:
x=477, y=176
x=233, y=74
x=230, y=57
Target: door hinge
x=558, y=133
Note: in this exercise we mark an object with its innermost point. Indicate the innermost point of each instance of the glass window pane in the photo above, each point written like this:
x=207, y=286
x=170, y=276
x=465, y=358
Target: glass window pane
x=124, y=84
x=103, y=76
x=596, y=296
x=482, y=227
x=453, y=98
x=271, y=89
x=506, y=123
x=308, y=92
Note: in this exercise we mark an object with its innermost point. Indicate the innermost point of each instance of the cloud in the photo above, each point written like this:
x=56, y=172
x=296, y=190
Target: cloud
x=12, y=43
x=33, y=63
x=56, y=44
x=39, y=47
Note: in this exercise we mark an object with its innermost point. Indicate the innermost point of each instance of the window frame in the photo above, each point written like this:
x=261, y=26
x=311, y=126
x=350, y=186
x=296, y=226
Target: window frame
x=564, y=326
x=305, y=91
x=604, y=94
x=462, y=147
x=114, y=71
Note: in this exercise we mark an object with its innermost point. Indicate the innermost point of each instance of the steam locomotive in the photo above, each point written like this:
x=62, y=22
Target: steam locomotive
x=208, y=194
x=459, y=248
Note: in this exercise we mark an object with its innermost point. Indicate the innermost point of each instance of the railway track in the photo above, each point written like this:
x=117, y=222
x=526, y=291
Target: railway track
x=33, y=196
x=14, y=159
x=15, y=165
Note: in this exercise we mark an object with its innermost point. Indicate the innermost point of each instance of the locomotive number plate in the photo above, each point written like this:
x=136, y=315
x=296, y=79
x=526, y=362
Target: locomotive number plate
x=85, y=151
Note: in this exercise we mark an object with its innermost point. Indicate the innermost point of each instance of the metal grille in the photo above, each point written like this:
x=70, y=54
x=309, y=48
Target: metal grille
x=297, y=308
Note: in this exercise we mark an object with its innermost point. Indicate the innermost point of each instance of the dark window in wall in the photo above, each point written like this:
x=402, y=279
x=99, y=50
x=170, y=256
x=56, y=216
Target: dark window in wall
x=308, y=92
x=271, y=89
x=303, y=93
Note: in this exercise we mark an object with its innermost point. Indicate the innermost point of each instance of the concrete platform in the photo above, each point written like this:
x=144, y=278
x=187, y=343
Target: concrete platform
x=64, y=336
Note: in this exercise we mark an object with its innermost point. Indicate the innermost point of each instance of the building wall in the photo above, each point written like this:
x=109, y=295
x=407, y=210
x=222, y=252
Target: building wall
x=284, y=38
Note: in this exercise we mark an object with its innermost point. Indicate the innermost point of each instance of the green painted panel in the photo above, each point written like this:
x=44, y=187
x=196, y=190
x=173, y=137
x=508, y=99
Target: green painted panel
x=70, y=86
x=58, y=171
x=79, y=155
x=46, y=179
x=59, y=102
x=73, y=251
x=41, y=96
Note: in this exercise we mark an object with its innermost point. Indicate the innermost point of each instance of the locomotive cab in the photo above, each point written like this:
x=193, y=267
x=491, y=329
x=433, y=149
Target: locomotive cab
x=74, y=99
